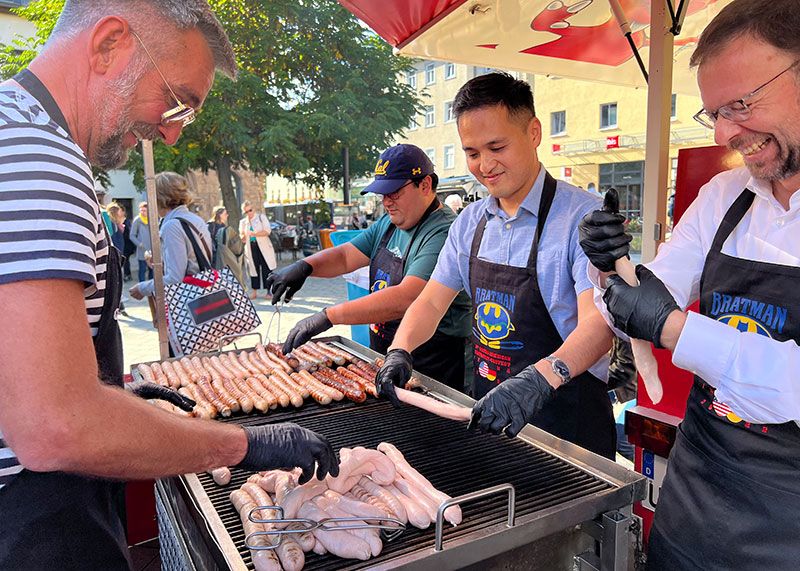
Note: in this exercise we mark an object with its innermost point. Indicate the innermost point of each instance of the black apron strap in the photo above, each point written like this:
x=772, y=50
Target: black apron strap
x=546, y=201
x=732, y=218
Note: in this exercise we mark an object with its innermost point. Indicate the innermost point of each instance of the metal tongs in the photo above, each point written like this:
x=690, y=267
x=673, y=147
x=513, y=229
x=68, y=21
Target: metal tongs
x=391, y=528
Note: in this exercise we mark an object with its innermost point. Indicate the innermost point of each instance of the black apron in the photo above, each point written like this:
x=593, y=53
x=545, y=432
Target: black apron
x=731, y=496
x=442, y=356
x=513, y=329
x=53, y=520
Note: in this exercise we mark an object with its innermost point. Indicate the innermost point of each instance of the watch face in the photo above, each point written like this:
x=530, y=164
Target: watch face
x=561, y=369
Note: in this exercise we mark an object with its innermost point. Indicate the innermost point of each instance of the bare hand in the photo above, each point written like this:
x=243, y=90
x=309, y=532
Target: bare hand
x=136, y=293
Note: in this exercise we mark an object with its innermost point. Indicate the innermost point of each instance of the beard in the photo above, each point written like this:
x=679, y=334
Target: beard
x=785, y=165
x=115, y=111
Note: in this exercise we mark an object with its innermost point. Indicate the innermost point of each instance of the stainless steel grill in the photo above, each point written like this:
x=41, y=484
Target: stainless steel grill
x=558, y=485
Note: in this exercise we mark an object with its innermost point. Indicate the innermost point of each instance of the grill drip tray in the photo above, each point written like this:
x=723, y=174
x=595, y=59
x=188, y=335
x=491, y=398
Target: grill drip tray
x=455, y=460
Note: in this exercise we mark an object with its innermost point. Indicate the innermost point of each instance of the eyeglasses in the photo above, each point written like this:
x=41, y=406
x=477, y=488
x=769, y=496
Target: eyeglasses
x=395, y=196
x=180, y=114
x=737, y=110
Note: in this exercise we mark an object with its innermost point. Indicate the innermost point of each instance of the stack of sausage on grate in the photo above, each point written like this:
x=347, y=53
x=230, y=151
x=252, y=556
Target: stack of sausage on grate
x=372, y=484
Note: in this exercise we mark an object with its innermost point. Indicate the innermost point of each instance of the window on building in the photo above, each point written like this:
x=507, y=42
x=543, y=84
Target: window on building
x=673, y=110
x=558, y=123
x=449, y=70
x=608, y=115
x=449, y=156
x=412, y=125
x=431, y=155
x=430, y=116
x=449, y=116
x=430, y=73
x=482, y=70
x=411, y=78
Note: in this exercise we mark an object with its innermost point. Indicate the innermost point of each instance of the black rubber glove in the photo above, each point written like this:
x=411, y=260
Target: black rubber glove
x=288, y=281
x=306, y=329
x=513, y=403
x=396, y=371
x=640, y=311
x=603, y=239
x=287, y=446
x=149, y=391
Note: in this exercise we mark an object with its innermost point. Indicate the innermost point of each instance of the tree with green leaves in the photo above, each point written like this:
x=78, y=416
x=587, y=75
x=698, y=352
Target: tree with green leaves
x=312, y=81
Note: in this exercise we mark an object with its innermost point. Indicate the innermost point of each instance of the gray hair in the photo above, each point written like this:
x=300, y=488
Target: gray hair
x=79, y=15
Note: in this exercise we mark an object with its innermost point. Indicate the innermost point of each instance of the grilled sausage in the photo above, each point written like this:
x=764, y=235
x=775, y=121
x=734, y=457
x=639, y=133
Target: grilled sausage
x=290, y=388
x=336, y=351
x=314, y=390
x=161, y=377
x=347, y=387
x=310, y=381
x=215, y=400
x=221, y=476
x=335, y=358
x=275, y=388
x=263, y=392
x=147, y=373
x=263, y=560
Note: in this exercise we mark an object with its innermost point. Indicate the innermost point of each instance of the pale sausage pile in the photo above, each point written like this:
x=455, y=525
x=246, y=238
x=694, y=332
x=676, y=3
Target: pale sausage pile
x=372, y=484
x=264, y=379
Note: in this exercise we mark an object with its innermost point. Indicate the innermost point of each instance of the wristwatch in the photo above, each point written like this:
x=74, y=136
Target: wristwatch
x=559, y=368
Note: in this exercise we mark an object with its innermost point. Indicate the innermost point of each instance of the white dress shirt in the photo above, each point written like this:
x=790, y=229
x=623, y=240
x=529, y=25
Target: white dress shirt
x=758, y=377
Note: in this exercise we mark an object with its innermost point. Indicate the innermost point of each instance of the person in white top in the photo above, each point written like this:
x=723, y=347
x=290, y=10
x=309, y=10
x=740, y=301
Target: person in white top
x=731, y=495
x=259, y=255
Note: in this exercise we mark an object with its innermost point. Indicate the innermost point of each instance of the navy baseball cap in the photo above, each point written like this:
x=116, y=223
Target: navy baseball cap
x=396, y=166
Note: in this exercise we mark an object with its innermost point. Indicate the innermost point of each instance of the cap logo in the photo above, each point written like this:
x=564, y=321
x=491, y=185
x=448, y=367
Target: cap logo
x=380, y=168
x=416, y=171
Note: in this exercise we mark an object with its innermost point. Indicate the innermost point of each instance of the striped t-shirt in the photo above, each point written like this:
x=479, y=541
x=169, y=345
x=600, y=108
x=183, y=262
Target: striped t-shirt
x=50, y=224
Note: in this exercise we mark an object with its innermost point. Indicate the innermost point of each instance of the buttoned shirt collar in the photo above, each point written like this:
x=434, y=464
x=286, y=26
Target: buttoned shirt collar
x=763, y=189
x=530, y=202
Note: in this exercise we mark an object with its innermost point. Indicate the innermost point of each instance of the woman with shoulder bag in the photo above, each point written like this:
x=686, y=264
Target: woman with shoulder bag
x=179, y=258
x=227, y=244
x=259, y=255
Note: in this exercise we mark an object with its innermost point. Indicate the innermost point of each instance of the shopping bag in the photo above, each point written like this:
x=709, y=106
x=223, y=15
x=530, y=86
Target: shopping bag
x=207, y=306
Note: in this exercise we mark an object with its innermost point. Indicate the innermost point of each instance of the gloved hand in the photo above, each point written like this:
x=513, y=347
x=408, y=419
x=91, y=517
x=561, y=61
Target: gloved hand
x=396, y=370
x=306, y=329
x=640, y=311
x=288, y=281
x=286, y=446
x=148, y=391
x=513, y=403
x=603, y=239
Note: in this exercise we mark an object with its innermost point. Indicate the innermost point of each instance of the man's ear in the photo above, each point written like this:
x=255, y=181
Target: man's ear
x=111, y=44
x=535, y=131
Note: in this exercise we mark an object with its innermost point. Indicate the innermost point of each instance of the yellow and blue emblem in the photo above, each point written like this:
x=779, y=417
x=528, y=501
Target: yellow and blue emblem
x=744, y=324
x=493, y=324
x=378, y=285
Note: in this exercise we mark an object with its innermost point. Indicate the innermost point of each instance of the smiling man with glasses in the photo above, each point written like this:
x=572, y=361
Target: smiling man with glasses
x=69, y=434
x=401, y=250
x=731, y=495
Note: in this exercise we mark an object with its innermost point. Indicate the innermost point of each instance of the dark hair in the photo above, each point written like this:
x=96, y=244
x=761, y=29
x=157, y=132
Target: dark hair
x=434, y=180
x=496, y=88
x=775, y=22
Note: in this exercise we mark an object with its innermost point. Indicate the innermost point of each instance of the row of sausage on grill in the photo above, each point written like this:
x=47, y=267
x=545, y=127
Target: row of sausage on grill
x=264, y=378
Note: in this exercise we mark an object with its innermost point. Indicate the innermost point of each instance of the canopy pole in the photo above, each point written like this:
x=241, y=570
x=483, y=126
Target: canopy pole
x=624, y=25
x=155, y=248
x=657, y=160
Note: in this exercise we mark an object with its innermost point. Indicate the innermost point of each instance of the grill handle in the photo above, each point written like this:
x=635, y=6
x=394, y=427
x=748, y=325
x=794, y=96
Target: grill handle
x=223, y=340
x=507, y=488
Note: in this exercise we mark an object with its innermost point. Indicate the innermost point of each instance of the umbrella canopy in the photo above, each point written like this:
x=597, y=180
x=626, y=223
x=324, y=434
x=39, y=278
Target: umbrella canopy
x=579, y=39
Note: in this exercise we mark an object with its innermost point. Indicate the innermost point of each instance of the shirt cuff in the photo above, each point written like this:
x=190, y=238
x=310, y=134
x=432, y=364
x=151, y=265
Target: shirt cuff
x=705, y=347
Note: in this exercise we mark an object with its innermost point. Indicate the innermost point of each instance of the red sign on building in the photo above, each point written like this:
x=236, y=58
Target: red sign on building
x=612, y=142
x=567, y=172
x=556, y=148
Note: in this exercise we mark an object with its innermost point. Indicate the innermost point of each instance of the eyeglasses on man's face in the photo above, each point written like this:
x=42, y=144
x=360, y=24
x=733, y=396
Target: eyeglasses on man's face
x=181, y=114
x=395, y=196
x=737, y=110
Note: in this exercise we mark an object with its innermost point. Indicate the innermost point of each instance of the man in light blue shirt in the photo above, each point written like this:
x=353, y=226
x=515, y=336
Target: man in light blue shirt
x=539, y=342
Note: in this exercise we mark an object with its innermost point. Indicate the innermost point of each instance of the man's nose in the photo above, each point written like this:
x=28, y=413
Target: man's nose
x=487, y=164
x=171, y=133
x=725, y=130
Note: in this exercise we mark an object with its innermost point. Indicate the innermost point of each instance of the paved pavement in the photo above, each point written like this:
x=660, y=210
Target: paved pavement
x=140, y=339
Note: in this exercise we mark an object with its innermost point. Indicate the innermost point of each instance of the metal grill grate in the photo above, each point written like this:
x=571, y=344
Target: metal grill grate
x=455, y=460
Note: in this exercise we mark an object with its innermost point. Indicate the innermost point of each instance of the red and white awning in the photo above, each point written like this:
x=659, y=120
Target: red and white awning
x=574, y=38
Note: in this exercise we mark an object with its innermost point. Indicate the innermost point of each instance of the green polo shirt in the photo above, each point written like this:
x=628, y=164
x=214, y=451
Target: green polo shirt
x=421, y=260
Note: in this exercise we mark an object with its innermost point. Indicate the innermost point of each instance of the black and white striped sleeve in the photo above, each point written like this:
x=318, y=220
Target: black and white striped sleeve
x=48, y=210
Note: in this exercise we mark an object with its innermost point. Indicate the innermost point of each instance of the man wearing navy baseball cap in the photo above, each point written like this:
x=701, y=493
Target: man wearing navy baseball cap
x=401, y=250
